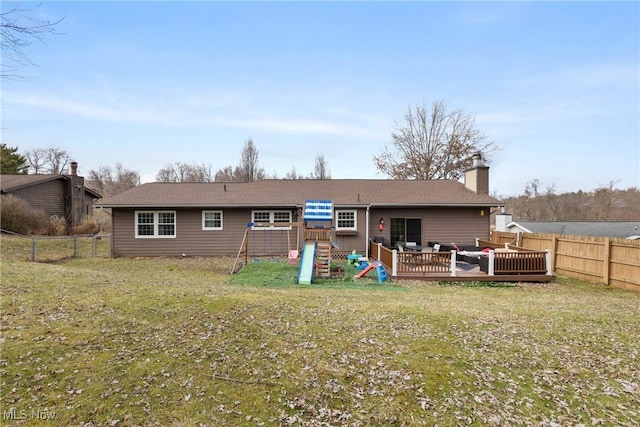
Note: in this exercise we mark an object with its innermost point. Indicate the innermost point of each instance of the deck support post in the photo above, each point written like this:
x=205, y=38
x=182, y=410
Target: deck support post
x=394, y=263
x=453, y=261
x=492, y=259
x=548, y=260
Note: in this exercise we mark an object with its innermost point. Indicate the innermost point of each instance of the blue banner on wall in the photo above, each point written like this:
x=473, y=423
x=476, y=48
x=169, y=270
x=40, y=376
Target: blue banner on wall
x=318, y=210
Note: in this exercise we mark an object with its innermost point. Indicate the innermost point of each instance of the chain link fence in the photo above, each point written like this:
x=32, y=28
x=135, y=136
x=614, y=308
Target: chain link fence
x=55, y=248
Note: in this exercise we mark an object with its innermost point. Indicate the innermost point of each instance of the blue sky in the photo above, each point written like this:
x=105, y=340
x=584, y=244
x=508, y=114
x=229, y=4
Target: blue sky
x=556, y=85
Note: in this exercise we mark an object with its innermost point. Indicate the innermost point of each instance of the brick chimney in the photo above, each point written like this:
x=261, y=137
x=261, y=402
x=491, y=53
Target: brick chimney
x=476, y=178
x=76, y=207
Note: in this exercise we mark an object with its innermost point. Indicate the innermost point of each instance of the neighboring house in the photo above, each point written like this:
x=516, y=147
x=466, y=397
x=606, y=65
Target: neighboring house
x=172, y=219
x=62, y=195
x=619, y=229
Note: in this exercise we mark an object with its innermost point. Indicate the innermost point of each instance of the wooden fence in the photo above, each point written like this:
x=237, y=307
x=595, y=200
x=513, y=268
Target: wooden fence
x=610, y=261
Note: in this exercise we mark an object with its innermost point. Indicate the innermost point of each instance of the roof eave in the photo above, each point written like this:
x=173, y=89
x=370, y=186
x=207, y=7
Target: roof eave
x=34, y=182
x=287, y=205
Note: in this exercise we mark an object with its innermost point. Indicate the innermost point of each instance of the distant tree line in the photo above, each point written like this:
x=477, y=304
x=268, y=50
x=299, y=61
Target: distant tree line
x=545, y=204
x=110, y=180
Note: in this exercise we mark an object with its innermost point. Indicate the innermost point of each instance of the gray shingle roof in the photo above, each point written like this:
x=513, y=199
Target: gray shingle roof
x=621, y=229
x=343, y=192
x=10, y=183
x=15, y=182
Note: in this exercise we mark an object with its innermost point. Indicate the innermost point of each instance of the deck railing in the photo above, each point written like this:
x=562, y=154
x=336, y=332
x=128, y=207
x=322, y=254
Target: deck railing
x=425, y=262
x=498, y=261
x=520, y=262
x=317, y=234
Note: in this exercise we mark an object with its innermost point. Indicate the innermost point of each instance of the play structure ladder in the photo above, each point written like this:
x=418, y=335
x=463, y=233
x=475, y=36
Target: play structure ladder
x=323, y=259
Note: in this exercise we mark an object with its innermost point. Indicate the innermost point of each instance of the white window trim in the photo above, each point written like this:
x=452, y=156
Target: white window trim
x=355, y=219
x=271, y=219
x=155, y=225
x=204, y=227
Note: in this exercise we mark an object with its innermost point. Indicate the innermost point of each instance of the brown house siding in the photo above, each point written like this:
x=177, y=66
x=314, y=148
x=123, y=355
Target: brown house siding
x=193, y=241
x=441, y=224
x=48, y=196
x=445, y=225
x=56, y=197
x=349, y=240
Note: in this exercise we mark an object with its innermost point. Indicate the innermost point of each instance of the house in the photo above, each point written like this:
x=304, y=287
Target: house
x=56, y=194
x=619, y=229
x=204, y=219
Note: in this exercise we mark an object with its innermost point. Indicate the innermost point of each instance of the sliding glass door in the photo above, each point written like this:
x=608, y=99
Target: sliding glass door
x=406, y=230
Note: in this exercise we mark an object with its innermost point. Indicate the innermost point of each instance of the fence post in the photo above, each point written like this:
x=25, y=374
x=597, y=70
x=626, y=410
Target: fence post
x=94, y=246
x=75, y=245
x=548, y=261
x=554, y=248
x=33, y=249
x=607, y=256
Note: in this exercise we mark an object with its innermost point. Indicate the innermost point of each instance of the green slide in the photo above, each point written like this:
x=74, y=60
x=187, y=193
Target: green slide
x=305, y=273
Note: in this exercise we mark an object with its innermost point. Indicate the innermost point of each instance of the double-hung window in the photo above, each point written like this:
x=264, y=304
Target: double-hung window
x=212, y=220
x=155, y=224
x=259, y=218
x=346, y=220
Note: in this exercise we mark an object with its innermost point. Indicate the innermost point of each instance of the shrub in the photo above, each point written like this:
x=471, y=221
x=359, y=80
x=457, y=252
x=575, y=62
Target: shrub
x=57, y=226
x=103, y=217
x=88, y=225
x=19, y=216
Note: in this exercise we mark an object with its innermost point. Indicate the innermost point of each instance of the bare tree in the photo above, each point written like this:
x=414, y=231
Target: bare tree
x=19, y=31
x=229, y=174
x=433, y=143
x=109, y=181
x=249, y=165
x=321, y=168
x=57, y=160
x=293, y=174
x=35, y=160
x=51, y=160
x=183, y=172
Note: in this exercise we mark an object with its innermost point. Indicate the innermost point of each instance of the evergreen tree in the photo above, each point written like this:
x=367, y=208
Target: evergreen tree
x=11, y=162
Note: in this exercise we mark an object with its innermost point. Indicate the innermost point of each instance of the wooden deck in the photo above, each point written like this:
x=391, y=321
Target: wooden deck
x=511, y=266
x=472, y=273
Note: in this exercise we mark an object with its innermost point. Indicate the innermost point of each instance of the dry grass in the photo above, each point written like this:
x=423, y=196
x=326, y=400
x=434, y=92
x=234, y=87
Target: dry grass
x=98, y=342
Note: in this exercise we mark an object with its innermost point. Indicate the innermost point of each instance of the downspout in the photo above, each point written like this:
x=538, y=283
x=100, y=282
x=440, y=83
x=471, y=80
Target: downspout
x=366, y=233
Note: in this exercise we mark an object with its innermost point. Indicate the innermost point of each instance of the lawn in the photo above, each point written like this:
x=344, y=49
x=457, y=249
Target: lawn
x=104, y=342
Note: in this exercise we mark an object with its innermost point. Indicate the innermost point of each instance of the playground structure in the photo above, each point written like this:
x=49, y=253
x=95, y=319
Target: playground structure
x=316, y=252
x=316, y=248
x=376, y=266
x=273, y=240
x=315, y=255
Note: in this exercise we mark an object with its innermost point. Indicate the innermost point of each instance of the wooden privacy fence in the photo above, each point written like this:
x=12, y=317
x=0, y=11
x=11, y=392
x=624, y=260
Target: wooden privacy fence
x=610, y=261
